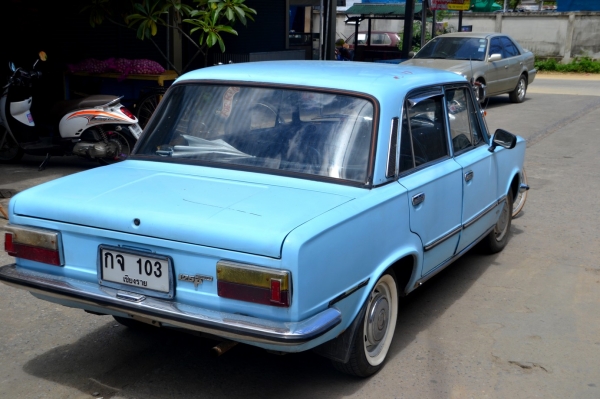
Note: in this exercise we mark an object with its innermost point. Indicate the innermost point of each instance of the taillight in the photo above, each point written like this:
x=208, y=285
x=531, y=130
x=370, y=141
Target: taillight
x=128, y=113
x=253, y=284
x=39, y=245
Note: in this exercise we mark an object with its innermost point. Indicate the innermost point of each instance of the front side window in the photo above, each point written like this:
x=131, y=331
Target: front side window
x=496, y=46
x=465, y=130
x=297, y=131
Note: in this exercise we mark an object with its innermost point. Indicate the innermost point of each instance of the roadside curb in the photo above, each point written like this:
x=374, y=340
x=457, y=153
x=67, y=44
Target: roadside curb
x=566, y=76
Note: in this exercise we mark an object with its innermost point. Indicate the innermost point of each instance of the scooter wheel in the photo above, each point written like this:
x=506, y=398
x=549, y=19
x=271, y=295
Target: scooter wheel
x=120, y=148
x=10, y=151
x=147, y=104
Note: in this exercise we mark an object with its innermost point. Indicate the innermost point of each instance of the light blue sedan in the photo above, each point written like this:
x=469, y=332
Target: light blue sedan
x=286, y=205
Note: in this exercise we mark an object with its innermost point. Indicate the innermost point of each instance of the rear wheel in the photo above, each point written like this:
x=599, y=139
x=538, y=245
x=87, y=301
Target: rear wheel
x=119, y=146
x=147, y=105
x=373, y=337
x=10, y=151
x=518, y=94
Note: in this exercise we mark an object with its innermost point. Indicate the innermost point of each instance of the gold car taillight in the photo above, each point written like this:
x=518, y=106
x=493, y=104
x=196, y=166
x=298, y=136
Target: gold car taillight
x=35, y=244
x=253, y=284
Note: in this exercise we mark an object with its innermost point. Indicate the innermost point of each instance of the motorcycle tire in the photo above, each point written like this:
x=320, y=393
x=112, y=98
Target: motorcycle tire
x=147, y=104
x=10, y=152
x=125, y=142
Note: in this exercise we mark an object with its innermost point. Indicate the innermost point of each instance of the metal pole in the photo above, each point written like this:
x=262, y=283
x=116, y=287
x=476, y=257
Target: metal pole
x=409, y=16
x=505, y=5
x=423, y=21
x=460, y=21
x=321, y=31
x=326, y=35
x=433, y=24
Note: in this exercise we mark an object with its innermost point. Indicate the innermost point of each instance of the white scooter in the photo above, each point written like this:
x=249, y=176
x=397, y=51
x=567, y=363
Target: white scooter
x=95, y=127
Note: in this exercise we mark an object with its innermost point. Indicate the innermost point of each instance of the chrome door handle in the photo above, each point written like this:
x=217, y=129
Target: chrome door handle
x=505, y=66
x=469, y=176
x=417, y=199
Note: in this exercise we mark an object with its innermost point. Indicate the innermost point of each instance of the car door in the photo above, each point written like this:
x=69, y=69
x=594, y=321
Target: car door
x=515, y=63
x=479, y=172
x=497, y=74
x=433, y=179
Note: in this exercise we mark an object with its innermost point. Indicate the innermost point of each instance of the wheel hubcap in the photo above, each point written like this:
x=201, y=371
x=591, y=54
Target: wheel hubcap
x=521, y=89
x=378, y=319
x=502, y=225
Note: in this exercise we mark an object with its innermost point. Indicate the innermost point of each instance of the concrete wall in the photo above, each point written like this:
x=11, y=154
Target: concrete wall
x=547, y=34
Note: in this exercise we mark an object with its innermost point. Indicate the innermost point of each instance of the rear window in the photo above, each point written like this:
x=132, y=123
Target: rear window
x=296, y=131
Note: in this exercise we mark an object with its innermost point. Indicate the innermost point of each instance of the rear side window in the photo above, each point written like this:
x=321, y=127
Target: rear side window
x=423, y=135
x=381, y=39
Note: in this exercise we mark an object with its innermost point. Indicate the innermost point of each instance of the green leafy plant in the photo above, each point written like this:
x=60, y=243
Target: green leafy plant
x=208, y=20
x=580, y=65
x=416, y=39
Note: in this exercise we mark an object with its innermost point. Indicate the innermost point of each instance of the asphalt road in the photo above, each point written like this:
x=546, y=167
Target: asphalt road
x=520, y=324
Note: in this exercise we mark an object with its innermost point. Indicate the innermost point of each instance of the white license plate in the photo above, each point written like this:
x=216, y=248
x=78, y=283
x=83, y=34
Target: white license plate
x=136, y=130
x=145, y=271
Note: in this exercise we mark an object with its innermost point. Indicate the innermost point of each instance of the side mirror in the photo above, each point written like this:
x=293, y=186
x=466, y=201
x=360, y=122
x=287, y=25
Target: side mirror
x=504, y=139
x=495, y=57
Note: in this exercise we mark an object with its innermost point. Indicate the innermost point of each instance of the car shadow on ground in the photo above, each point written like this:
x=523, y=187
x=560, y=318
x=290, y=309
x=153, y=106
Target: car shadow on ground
x=157, y=363
x=427, y=303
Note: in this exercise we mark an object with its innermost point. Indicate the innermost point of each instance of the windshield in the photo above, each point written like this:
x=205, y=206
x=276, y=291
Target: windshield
x=454, y=48
x=298, y=131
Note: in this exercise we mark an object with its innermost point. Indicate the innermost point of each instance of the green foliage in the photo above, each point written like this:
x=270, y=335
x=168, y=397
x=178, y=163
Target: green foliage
x=209, y=18
x=416, y=39
x=581, y=65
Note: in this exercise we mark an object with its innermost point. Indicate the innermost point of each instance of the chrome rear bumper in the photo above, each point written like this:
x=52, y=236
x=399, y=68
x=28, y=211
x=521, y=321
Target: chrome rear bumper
x=222, y=324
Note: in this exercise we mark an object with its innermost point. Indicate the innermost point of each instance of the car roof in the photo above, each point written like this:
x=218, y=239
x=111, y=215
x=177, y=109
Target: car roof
x=377, y=79
x=477, y=35
x=377, y=31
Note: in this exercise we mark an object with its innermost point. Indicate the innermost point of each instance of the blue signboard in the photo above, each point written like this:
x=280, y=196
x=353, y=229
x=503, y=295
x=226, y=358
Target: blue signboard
x=577, y=5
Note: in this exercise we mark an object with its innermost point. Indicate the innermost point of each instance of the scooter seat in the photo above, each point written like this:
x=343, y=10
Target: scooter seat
x=64, y=107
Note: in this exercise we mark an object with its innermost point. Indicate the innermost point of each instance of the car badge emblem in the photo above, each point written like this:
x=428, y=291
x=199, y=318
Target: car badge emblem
x=197, y=279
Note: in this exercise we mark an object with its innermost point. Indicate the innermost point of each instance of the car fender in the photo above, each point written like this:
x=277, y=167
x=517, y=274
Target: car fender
x=322, y=266
x=509, y=163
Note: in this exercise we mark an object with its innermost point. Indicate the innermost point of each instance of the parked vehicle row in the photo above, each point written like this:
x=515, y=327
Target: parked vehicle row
x=95, y=127
x=492, y=59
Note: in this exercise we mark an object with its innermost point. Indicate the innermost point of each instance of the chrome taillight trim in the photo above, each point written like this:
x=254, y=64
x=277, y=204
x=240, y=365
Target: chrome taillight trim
x=37, y=237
